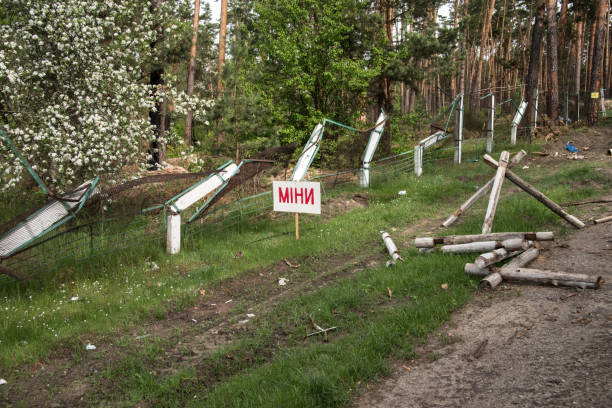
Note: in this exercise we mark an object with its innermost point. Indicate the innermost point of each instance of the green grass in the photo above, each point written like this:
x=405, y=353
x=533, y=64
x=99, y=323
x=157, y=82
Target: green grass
x=122, y=289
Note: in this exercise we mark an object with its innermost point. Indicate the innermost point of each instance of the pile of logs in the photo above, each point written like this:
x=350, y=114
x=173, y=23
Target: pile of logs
x=523, y=246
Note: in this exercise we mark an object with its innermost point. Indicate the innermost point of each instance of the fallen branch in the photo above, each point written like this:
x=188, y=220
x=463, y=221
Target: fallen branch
x=480, y=193
x=495, y=236
x=289, y=264
x=480, y=349
x=604, y=219
x=601, y=201
x=528, y=188
x=319, y=329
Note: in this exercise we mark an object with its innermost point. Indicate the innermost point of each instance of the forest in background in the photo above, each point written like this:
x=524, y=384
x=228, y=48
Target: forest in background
x=88, y=88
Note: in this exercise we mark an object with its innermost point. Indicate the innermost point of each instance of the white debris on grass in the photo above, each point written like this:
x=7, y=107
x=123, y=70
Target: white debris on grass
x=74, y=298
x=3, y=381
x=90, y=346
x=229, y=301
x=249, y=315
x=402, y=192
x=282, y=281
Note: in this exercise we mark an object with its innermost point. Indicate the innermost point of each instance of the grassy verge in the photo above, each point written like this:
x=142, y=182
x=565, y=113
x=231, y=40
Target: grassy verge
x=265, y=369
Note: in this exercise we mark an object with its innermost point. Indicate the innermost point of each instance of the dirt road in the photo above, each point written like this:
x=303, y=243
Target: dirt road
x=521, y=345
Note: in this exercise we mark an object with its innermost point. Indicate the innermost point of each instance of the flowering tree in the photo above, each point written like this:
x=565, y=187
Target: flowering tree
x=72, y=80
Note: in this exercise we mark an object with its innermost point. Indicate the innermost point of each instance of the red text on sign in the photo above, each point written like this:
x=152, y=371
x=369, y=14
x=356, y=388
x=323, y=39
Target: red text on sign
x=296, y=195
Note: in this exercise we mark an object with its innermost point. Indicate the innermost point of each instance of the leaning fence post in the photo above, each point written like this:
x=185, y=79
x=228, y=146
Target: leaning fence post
x=459, y=130
x=491, y=124
x=418, y=160
x=364, y=175
x=173, y=233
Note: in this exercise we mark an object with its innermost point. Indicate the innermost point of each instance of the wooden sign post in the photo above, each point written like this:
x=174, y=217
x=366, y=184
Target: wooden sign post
x=297, y=197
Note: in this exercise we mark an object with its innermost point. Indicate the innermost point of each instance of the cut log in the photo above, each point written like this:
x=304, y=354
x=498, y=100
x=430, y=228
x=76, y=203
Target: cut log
x=493, y=257
x=490, y=281
x=604, y=219
x=495, y=192
x=480, y=193
x=391, y=246
x=518, y=262
x=556, y=278
x=486, y=246
x=528, y=188
x=473, y=269
x=523, y=259
x=494, y=236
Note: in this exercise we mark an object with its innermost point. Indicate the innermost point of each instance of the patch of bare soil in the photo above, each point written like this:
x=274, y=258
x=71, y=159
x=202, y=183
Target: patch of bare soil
x=521, y=345
x=592, y=144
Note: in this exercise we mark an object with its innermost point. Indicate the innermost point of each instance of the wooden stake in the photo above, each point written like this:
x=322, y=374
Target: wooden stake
x=495, y=192
x=528, y=188
x=480, y=193
x=297, y=226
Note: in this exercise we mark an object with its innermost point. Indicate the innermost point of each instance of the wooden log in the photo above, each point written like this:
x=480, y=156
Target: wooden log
x=430, y=242
x=473, y=269
x=528, y=188
x=486, y=246
x=523, y=259
x=556, y=278
x=518, y=262
x=604, y=219
x=493, y=257
x=391, y=248
x=490, y=281
x=495, y=192
x=480, y=193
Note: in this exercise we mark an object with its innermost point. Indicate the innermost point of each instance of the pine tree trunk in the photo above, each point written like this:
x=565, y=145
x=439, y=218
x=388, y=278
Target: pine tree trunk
x=533, y=72
x=598, y=49
x=487, y=15
x=454, y=57
x=552, y=97
x=191, y=72
x=222, y=35
x=589, y=62
x=578, y=62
